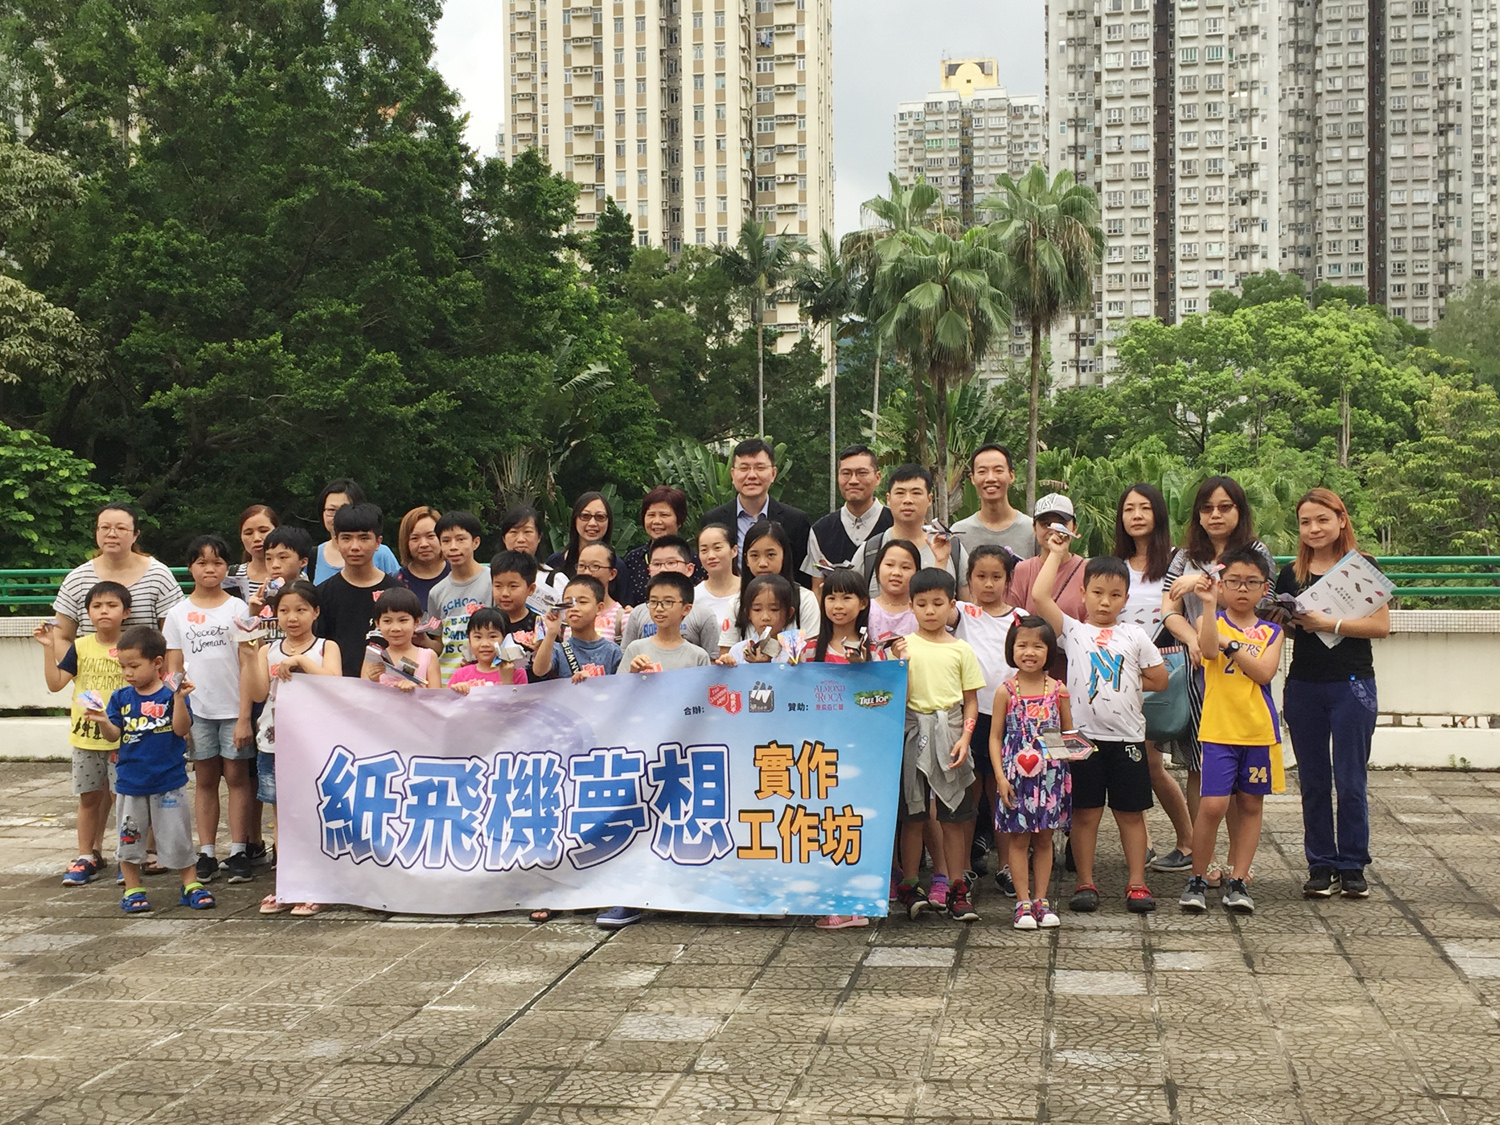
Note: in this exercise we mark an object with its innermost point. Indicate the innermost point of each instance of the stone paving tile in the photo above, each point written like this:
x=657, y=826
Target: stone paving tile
x=1330, y=1011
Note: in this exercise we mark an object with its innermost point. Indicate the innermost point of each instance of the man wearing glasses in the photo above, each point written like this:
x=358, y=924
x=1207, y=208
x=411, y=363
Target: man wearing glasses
x=753, y=470
x=838, y=536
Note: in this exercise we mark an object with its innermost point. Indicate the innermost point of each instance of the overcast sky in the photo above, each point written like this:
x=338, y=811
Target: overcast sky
x=884, y=52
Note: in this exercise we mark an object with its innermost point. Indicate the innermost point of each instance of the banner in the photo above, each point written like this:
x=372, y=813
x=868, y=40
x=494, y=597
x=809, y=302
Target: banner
x=760, y=789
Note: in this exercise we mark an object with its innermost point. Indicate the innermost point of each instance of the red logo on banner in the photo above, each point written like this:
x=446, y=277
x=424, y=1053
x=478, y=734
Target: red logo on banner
x=719, y=695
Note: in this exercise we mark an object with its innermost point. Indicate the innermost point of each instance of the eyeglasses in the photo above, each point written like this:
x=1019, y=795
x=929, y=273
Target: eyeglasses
x=1243, y=583
x=862, y=474
x=663, y=603
x=593, y=568
x=656, y=566
x=591, y=517
x=1217, y=509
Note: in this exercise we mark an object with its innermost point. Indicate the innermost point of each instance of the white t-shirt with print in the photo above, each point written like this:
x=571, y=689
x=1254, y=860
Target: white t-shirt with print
x=1104, y=677
x=210, y=655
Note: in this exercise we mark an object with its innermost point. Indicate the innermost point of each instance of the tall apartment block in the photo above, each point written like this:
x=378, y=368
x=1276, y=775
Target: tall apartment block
x=960, y=137
x=964, y=134
x=693, y=115
x=1226, y=137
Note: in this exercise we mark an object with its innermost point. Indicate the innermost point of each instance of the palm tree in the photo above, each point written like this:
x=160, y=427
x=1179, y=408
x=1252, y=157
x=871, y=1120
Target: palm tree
x=829, y=292
x=945, y=301
x=1050, y=237
x=906, y=208
x=760, y=263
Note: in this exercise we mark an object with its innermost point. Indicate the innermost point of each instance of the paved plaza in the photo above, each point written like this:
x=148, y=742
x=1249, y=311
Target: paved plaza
x=1386, y=1010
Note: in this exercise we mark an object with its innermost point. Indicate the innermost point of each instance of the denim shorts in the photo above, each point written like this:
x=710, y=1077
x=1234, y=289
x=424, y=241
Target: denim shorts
x=214, y=738
x=265, y=778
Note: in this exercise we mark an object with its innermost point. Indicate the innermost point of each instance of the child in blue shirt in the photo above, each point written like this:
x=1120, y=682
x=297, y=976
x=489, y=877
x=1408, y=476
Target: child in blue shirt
x=151, y=721
x=584, y=653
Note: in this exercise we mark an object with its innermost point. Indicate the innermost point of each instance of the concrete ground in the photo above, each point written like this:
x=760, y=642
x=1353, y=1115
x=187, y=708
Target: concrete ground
x=1386, y=1010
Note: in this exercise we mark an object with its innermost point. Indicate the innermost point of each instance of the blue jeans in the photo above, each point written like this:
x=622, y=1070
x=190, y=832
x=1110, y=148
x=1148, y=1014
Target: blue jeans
x=265, y=781
x=1331, y=727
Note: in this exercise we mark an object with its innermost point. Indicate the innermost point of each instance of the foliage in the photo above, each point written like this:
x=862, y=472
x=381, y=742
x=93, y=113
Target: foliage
x=1470, y=329
x=47, y=502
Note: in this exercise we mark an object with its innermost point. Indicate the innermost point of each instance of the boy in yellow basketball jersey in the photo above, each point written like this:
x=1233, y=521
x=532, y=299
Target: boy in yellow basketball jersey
x=1239, y=732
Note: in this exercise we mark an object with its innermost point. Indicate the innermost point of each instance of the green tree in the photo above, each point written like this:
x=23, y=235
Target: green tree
x=760, y=264
x=47, y=502
x=610, y=247
x=1052, y=243
x=1470, y=328
x=1264, y=288
x=945, y=304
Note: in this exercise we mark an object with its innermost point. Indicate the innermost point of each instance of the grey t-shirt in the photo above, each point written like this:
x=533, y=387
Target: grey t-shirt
x=700, y=627
x=1019, y=536
x=864, y=561
x=685, y=655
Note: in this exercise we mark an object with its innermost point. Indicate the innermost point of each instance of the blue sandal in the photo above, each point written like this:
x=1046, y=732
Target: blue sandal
x=197, y=897
x=135, y=903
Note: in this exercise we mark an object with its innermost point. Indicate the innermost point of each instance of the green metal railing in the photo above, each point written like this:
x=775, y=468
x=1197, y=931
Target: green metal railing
x=1476, y=576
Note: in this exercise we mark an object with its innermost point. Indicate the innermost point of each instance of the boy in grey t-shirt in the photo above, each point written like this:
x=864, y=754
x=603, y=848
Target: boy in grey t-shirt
x=669, y=597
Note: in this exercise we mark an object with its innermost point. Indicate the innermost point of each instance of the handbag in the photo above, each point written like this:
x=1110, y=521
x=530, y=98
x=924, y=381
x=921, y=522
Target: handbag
x=1169, y=716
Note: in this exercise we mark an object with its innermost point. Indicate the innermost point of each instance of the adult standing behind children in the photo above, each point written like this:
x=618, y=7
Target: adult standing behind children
x=328, y=561
x=909, y=496
x=996, y=522
x=1051, y=510
x=152, y=588
x=663, y=512
x=1330, y=706
x=347, y=599
x=592, y=521
x=256, y=522
x=422, y=563
x=838, y=536
x=752, y=470
x=520, y=530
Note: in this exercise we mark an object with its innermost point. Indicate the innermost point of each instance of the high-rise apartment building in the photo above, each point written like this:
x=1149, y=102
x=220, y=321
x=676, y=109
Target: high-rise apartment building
x=964, y=134
x=1351, y=143
x=693, y=115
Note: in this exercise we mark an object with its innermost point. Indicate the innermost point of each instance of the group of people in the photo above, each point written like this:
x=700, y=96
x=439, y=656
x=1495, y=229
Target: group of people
x=1030, y=667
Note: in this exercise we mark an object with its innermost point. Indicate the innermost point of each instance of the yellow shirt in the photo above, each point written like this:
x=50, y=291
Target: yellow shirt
x=937, y=674
x=98, y=670
x=1237, y=711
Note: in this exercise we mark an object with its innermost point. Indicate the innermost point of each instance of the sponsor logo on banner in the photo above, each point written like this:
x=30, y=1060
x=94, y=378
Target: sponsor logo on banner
x=762, y=697
x=872, y=698
x=719, y=695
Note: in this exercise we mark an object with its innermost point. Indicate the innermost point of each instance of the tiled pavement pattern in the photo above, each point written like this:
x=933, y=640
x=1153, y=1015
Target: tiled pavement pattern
x=1380, y=1011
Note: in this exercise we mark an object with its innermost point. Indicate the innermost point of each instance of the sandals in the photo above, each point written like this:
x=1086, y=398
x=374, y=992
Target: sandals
x=197, y=897
x=306, y=909
x=841, y=922
x=135, y=903
x=269, y=905
x=540, y=916
x=152, y=866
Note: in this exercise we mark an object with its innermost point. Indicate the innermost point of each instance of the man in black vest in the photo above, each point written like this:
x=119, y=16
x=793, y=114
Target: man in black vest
x=753, y=469
x=837, y=537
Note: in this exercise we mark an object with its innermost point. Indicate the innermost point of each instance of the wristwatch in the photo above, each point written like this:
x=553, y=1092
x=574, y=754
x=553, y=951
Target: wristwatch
x=1232, y=647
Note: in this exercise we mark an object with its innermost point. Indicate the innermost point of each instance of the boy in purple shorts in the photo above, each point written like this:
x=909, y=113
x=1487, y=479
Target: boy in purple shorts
x=1239, y=733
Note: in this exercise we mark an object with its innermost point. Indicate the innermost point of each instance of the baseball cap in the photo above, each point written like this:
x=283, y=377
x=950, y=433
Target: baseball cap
x=1053, y=502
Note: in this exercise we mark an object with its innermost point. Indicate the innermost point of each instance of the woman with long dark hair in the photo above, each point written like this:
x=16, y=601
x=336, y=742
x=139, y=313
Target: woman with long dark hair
x=1143, y=538
x=1220, y=522
x=591, y=521
x=1329, y=704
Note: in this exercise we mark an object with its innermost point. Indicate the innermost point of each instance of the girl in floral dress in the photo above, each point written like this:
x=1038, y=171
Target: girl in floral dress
x=1035, y=788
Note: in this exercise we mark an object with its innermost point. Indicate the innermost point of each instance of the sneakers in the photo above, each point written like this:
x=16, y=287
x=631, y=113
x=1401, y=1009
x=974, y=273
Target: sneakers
x=959, y=906
x=1321, y=883
x=1195, y=895
x=238, y=868
x=1138, y=899
x=1006, y=884
x=206, y=867
x=80, y=872
x=1353, y=884
x=910, y=896
x=1237, y=898
x=937, y=894
x=1025, y=917
x=1085, y=899
x=1174, y=860
x=258, y=853
x=617, y=917
x=1045, y=916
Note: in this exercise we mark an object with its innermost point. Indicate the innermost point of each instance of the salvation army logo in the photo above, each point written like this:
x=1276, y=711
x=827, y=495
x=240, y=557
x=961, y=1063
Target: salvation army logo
x=197, y=618
x=720, y=696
